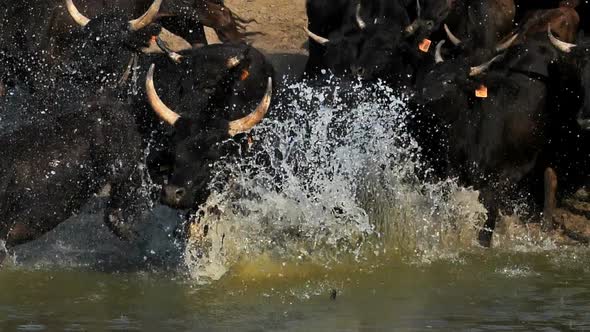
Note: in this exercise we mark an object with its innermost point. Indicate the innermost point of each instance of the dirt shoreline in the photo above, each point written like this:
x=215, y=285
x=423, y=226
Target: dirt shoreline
x=279, y=22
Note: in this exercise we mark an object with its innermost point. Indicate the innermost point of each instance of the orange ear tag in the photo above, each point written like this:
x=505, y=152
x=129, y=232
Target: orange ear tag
x=245, y=75
x=424, y=46
x=482, y=91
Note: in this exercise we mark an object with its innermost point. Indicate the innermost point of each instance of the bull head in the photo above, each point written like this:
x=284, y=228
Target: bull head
x=134, y=25
x=173, y=41
x=234, y=127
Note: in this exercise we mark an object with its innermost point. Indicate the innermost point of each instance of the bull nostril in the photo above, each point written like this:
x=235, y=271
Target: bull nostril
x=179, y=193
x=359, y=71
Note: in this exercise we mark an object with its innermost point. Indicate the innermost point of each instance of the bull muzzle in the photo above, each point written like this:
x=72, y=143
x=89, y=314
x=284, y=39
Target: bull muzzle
x=173, y=196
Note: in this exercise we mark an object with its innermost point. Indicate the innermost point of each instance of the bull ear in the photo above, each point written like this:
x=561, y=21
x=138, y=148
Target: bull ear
x=183, y=128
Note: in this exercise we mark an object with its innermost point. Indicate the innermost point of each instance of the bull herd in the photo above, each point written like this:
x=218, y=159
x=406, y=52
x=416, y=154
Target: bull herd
x=95, y=103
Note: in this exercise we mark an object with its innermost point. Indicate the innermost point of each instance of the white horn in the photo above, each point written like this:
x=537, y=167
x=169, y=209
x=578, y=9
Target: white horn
x=75, y=14
x=560, y=45
x=166, y=114
x=318, y=39
x=359, y=20
x=438, y=55
x=456, y=41
x=505, y=45
x=147, y=18
x=249, y=121
x=481, y=68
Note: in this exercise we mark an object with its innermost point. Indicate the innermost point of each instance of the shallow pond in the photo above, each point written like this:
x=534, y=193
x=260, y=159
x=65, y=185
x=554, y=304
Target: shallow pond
x=480, y=291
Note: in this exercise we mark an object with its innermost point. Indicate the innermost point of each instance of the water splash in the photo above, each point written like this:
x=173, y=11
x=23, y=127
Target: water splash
x=332, y=181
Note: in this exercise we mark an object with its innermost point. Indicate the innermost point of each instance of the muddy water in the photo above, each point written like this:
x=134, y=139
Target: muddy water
x=480, y=291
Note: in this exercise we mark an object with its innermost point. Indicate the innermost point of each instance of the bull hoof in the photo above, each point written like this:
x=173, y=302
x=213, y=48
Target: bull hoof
x=485, y=238
x=333, y=294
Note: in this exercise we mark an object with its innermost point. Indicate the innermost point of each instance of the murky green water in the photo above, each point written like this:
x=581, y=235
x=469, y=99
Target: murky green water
x=484, y=291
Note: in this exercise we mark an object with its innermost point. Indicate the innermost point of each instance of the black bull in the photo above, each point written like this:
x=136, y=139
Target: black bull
x=104, y=141
x=382, y=39
x=209, y=85
x=53, y=166
x=505, y=131
x=35, y=24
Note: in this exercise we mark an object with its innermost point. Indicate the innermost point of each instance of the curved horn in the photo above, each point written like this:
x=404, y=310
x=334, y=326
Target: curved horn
x=481, y=68
x=147, y=18
x=318, y=39
x=456, y=41
x=505, y=45
x=359, y=20
x=559, y=44
x=75, y=14
x=166, y=114
x=249, y=121
x=438, y=55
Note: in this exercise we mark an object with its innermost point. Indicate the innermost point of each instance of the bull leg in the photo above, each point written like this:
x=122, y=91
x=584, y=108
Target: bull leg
x=485, y=234
x=550, y=199
x=126, y=205
x=3, y=252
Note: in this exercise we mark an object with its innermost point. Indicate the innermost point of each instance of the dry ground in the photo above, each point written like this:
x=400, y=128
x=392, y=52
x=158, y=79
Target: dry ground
x=280, y=21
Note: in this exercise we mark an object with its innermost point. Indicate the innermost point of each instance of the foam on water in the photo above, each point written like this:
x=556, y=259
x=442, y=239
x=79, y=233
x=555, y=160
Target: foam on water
x=338, y=185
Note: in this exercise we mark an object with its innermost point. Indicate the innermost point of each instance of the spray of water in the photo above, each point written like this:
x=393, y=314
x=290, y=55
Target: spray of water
x=330, y=182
